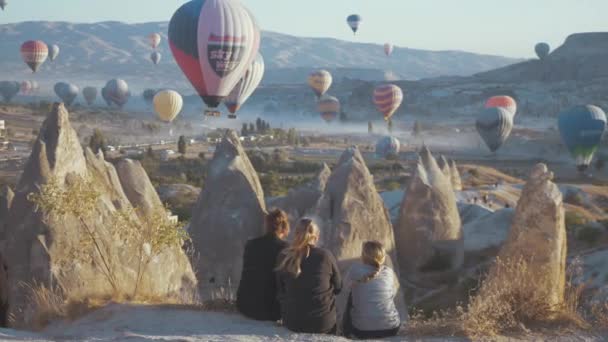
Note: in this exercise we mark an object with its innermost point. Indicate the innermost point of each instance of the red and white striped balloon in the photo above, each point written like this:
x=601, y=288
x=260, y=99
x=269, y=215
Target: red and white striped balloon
x=388, y=98
x=34, y=53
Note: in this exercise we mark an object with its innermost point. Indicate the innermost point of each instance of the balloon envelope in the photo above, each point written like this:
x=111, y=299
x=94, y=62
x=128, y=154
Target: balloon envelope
x=34, y=53
x=246, y=86
x=26, y=87
x=387, y=146
x=53, y=52
x=354, y=21
x=155, y=39
x=3, y=4
x=214, y=42
x=67, y=92
x=168, y=104
x=581, y=129
x=542, y=50
x=155, y=57
x=9, y=89
x=506, y=102
x=117, y=92
x=320, y=81
x=329, y=107
x=106, y=96
x=494, y=125
x=388, y=98
x=388, y=49
x=90, y=94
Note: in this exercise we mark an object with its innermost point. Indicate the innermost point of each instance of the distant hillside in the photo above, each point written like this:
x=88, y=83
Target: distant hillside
x=93, y=53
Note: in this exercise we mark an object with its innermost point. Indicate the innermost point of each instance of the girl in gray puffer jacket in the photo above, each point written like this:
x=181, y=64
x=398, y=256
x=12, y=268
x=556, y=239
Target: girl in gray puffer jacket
x=371, y=311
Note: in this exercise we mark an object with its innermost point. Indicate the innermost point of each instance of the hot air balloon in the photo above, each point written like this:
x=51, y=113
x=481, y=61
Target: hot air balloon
x=329, y=107
x=214, y=42
x=388, y=98
x=149, y=94
x=168, y=103
x=388, y=49
x=3, y=4
x=117, y=92
x=155, y=57
x=387, y=146
x=155, y=39
x=90, y=94
x=494, y=126
x=502, y=101
x=34, y=53
x=67, y=92
x=320, y=81
x=9, y=89
x=245, y=87
x=354, y=20
x=581, y=128
x=35, y=86
x=542, y=50
x=26, y=87
x=106, y=96
x=53, y=52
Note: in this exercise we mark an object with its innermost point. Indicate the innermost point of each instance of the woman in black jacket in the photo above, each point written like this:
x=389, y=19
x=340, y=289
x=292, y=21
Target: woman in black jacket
x=256, y=296
x=308, y=282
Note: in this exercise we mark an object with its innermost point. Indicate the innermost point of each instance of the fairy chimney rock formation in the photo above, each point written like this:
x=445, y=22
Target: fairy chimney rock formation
x=351, y=212
x=455, y=176
x=429, y=234
x=444, y=165
x=230, y=210
x=50, y=249
x=538, y=234
x=137, y=186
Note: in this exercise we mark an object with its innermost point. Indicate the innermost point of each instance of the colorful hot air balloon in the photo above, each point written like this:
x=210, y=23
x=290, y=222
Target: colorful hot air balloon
x=354, y=20
x=388, y=98
x=155, y=57
x=542, y=50
x=9, y=89
x=245, y=87
x=502, y=101
x=117, y=91
x=3, y=4
x=106, y=96
x=168, y=103
x=149, y=94
x=494, y=126
x=155, y=39
x=67, y=92
x=26, y=87
x=387, y=147
x=320, y=81
x=34, y=53
x=214, y=42
x=90, y=94
x=53, y=52
x=388, y=49
x=581, y=128
x=329, y=107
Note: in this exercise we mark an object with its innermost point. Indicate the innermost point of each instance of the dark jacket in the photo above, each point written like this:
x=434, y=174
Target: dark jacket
x=308, y=302
x=256, y=297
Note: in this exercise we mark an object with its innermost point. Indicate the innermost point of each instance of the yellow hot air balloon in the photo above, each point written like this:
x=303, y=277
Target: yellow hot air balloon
x=168, y=103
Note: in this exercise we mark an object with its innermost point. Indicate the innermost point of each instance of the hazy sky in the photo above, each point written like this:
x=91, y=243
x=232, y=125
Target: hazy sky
x=509, y=28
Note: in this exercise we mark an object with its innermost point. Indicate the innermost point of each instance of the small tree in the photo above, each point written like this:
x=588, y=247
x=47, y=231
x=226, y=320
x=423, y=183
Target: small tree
x=292, y=137
x=370, y=127
x=390, y=126
x=181, y=145
x=97, y=141
x=150, y=152
x=244, y=130
x=417, y=128
x=251, y=129
x=258, y=125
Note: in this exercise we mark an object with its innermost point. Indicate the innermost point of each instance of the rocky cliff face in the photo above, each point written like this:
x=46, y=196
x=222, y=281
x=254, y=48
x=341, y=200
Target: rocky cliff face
x=6, y=200
x=53, y=249
x=229, y=211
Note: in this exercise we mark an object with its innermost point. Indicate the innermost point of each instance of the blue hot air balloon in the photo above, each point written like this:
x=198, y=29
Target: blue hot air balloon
x=354, y=20
x=542, y=50
x=581, y=128
x=387, y=147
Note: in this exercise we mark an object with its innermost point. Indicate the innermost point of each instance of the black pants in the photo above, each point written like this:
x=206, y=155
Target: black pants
x=350, y=330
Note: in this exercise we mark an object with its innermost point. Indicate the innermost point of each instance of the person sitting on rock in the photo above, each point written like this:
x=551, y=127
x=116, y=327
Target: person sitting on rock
x=371, y=310
x=308, y=281
x=256, y=296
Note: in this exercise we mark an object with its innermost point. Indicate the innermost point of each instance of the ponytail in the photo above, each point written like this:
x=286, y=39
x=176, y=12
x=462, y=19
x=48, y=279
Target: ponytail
x=307, y=233
x=373, y=254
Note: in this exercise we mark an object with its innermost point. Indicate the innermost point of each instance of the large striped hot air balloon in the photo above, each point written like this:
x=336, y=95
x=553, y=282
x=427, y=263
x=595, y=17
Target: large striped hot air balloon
x=155, y=39
x=354, y=21
x=542, y=50
x=34, y=53
x=53, y=52
x=494, y=125
x=155, y=57
x=8, y=90
x=320, y=81
x=329, y=108
x=168, y=103
x=67, y=92
x=502, y=101
x=582, y=128
x=245, y=87
x=214, y=42
x=117, y=91
x=388, y=49
x=387, y=147
x=388, y=98
x=89, y=94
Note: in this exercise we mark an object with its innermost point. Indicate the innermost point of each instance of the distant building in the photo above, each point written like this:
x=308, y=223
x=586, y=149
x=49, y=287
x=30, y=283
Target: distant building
x=166, y=154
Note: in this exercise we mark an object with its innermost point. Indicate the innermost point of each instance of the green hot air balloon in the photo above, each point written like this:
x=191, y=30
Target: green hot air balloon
x=581, y=129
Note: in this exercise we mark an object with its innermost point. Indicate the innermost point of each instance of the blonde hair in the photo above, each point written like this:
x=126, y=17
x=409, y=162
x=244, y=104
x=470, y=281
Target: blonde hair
x=277, y=222
x=373, y=254
x=307, y=232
